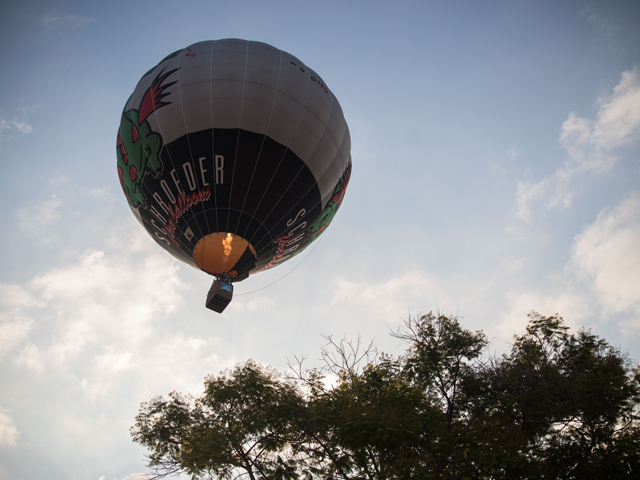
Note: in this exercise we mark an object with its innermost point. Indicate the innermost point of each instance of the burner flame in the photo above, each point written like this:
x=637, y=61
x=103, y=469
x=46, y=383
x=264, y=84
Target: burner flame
x=227, y=245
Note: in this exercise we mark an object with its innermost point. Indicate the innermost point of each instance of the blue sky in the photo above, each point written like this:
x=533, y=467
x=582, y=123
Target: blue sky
x=495, y=152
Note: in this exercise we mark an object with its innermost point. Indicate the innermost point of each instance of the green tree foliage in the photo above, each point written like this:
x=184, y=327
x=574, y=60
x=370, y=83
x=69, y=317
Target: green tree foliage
x=245, y=421
x=556, y=406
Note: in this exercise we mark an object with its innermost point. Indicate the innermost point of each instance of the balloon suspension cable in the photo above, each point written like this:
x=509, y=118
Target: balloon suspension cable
x=224, y=276
x=289, y=272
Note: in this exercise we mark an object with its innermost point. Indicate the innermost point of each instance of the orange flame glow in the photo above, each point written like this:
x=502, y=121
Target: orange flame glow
x=226, y=244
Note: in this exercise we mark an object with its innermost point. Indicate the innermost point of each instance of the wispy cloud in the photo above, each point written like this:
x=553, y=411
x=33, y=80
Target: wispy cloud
x=392, y=298
x=66, y=21
x=607, y=253
x=573, y=306
x=253, y=304
x=606, y=25
x=14, y=333
x=30, y=358
x=526, y=193
x=590, y=142
x=591, y=145
x=103, y=319
x=12, y=126
x=102, y=193
x=513, y=152
x=15, y=324
x=8, y=431
x=134, y=476
x=37, y=220
x=108, y=296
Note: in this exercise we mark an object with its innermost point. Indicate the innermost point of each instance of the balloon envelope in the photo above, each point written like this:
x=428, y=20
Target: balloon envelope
x=233, y=155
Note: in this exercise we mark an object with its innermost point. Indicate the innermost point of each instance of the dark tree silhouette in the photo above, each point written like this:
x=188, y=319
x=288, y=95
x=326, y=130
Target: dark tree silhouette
x=557, y=406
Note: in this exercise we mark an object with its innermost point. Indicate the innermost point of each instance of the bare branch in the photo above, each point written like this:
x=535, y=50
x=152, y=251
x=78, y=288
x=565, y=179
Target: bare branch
x=347, y=355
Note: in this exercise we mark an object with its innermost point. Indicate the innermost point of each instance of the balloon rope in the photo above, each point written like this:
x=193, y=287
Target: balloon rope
x=289, y=272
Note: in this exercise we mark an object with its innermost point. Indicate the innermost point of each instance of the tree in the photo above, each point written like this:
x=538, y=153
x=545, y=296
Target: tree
x=438, y=358
x=557, y=405
x=375, y=421
x=569, y=401
x=238, y=428
x=367, y=425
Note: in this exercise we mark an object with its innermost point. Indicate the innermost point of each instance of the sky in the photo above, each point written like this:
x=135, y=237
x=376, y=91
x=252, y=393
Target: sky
x=495, y=150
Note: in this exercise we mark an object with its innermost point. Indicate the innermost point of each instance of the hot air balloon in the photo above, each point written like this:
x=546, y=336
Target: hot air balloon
x=234, y=156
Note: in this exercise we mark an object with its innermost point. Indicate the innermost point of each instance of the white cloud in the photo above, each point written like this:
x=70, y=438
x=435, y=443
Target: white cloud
x=113, y=360
x=66, y=21
x=13, y=299
x=12, y=126
x=173, y=356
x=513, y=152
x=608, y=253
x=94, y=389
x=98, y=300
x=37, y=221
x=392, y=298
x=176, y=359
x=8, y=431
x=590, y=142
x=606, y=258
x=252, y=304
x=572, y=306
x=137, y=476
x=117, y=296
x=527, y=192
x=15, y=324
x=606, y=25
x=102, y=194
x=13, y=334
x=591, y=145
x=30, y=358
x=102, y=323
x=510, y=153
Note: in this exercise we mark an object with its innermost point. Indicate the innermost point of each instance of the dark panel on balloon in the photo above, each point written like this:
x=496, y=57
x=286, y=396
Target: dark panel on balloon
x=233, y=181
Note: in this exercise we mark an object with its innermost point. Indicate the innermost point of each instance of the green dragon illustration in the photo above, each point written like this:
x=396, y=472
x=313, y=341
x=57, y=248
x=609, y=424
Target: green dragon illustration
x=138, y=147
x=332, y=207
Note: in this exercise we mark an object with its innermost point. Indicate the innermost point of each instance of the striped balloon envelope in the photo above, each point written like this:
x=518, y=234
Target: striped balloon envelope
x=233, y=155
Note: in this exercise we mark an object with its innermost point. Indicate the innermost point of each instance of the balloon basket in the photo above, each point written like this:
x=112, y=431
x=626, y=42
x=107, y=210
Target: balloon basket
x=219, y=296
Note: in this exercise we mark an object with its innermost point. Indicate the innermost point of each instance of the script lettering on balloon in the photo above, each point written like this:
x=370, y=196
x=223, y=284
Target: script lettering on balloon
x=287, y=244
x=184, y=203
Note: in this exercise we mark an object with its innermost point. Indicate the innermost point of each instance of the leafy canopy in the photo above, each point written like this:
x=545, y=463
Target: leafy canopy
x=556, y=406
